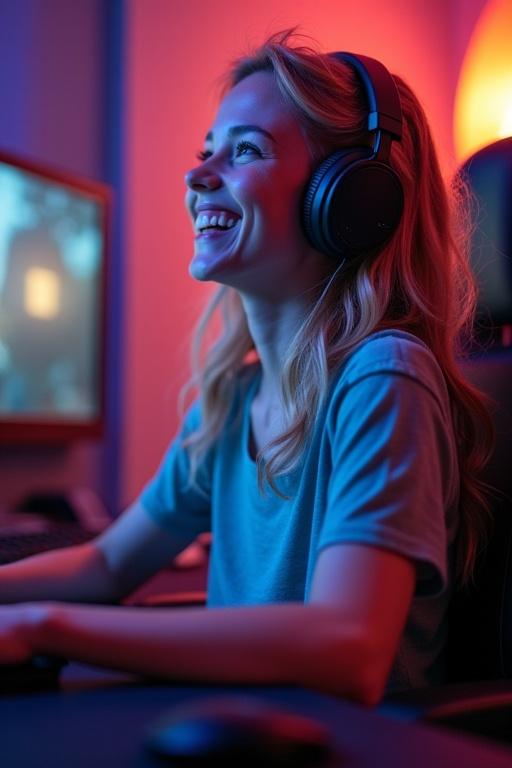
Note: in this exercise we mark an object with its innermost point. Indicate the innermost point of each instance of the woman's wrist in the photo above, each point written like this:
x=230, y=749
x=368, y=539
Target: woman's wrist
x=37, y=624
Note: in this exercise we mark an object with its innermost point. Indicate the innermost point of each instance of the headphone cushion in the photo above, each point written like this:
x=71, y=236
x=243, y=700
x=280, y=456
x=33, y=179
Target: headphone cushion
x=352, y=203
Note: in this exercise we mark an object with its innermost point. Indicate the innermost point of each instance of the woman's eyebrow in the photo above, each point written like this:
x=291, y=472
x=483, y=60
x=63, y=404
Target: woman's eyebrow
x=237, y=130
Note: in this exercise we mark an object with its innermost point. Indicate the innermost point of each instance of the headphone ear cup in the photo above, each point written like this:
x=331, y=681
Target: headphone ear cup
x=316, y=192
x=352, y=204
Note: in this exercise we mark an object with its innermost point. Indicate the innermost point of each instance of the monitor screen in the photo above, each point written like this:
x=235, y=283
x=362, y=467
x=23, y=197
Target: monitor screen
x=53, y=255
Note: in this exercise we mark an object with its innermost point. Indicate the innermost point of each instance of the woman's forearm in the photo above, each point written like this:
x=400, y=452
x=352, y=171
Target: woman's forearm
x=75, y=574
x=288, y=643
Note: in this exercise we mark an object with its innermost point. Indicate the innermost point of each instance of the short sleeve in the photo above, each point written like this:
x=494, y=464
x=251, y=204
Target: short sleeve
x=393, y=470
x=170, y=498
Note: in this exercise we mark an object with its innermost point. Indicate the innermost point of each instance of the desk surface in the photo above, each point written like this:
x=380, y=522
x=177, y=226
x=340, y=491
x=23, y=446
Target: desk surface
x=100, y=720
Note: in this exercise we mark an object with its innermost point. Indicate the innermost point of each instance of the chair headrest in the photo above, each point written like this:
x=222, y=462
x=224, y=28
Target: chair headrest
x=489, y=173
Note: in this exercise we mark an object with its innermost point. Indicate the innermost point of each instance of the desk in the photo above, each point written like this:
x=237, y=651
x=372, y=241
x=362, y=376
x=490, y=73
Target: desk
x=98, y=720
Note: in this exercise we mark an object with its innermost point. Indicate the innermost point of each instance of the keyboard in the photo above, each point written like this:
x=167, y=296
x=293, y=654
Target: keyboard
x=16, y=546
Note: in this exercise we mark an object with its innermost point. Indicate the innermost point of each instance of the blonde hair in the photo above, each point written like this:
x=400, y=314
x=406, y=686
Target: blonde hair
x=420, y=282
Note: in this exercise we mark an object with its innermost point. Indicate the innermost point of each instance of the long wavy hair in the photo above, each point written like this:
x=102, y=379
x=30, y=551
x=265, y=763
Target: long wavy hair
x=420, y=282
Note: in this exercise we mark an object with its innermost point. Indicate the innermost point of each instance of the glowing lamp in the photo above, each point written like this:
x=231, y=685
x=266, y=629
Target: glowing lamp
x=41, y=293
x=483, y=101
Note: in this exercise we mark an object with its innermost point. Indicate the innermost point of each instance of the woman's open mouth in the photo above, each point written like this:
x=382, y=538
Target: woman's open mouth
x=215, y=223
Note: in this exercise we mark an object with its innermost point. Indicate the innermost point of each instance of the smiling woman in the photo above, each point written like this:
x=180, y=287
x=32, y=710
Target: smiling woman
x=333, y=448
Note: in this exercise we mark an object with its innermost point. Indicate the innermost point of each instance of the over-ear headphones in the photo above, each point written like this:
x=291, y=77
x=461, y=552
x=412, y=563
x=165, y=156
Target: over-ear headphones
x=353, y=202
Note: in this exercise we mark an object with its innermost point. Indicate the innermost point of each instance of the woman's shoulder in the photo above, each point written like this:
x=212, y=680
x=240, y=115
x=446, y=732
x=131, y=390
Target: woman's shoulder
x=394, y=352
x=390, y=349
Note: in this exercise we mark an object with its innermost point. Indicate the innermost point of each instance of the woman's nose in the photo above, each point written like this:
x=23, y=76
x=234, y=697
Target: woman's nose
x=202, y=178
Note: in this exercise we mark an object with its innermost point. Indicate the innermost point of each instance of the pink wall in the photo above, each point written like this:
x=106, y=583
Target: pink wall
x=174, y=52
x=464, y=15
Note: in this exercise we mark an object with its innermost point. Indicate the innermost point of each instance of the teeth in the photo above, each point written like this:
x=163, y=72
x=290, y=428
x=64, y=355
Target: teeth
x=221, y=220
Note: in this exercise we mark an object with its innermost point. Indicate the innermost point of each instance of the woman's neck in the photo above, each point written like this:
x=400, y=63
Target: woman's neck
x=273, y=328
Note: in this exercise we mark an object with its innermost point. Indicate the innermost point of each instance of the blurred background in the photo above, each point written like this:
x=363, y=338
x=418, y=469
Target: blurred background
x=122, y=92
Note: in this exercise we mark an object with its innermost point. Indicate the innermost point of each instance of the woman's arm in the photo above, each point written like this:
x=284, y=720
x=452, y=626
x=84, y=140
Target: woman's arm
x=342, y=642
x=75, y=574
x=104, y=570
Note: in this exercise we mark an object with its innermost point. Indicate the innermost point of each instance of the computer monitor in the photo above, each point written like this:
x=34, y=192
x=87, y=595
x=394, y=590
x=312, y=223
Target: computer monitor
x=53, y=275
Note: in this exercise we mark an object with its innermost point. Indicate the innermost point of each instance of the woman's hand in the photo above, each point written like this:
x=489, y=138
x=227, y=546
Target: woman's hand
x=20, y=626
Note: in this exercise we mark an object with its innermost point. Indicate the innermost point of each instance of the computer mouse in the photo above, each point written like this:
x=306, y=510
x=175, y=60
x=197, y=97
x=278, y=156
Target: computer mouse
x=239, y=731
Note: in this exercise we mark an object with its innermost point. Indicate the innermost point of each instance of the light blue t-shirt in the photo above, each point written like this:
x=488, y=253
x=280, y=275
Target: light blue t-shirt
x=379, y=468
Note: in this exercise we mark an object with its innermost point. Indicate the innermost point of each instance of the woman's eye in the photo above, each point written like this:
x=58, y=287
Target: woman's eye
x=242, y=148
x=245, y=148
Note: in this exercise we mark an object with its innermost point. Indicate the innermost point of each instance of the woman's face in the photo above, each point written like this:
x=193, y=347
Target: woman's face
x=245, y=196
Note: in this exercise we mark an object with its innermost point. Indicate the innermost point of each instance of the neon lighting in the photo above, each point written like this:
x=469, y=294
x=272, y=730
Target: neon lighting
x=483, y=101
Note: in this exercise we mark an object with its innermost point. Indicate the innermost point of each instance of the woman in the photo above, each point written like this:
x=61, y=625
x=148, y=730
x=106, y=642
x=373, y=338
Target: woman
x=334, y=449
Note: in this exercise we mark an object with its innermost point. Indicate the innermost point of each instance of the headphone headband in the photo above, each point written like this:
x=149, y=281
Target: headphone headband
x=384, y=108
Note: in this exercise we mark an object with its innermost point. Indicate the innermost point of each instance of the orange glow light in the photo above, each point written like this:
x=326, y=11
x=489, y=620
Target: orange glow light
x=483, y=102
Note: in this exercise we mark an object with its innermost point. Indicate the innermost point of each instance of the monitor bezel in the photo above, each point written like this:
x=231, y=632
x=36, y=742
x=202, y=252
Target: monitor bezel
x=31, y=429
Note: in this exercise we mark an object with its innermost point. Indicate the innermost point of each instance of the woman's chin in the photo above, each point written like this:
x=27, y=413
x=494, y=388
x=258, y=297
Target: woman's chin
x=198, y=270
